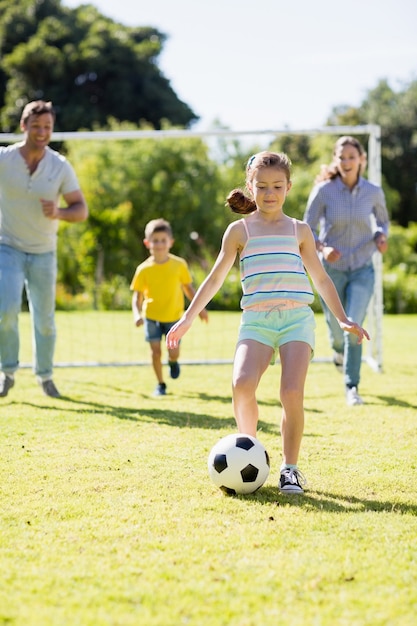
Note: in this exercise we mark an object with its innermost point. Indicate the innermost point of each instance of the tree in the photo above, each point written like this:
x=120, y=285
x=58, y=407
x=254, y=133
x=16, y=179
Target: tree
x=127, y=183
x=396, y=113
x=91, y=67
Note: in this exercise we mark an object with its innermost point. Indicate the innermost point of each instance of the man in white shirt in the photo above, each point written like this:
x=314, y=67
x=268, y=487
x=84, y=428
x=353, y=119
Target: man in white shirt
x=33, y=177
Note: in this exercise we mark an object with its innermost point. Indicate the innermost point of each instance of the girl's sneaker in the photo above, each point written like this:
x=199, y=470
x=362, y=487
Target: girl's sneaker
x=292, y=481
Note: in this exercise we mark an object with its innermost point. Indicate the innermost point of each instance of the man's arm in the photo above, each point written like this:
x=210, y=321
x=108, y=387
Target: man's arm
x=75, y=211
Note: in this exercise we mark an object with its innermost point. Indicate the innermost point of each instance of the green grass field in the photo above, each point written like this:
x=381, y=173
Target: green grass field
x=108, y=516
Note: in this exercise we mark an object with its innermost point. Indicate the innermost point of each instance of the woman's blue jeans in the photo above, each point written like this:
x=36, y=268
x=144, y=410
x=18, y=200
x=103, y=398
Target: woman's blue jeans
x=37, y=274
x=355, y=289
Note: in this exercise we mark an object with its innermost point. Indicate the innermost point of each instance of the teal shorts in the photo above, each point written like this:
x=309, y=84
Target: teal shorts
x=275, y=328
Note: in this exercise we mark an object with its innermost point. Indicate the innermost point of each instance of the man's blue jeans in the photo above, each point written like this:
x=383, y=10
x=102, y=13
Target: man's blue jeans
x=37, y=273
x=355, y=289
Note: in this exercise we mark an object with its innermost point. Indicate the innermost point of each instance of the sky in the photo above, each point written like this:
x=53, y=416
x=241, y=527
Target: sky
x=272, y=65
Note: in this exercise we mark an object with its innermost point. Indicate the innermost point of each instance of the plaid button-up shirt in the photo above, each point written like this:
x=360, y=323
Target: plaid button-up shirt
x=348, y=219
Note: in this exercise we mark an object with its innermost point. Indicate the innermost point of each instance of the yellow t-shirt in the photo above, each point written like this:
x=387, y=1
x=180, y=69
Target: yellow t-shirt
x=161, y=285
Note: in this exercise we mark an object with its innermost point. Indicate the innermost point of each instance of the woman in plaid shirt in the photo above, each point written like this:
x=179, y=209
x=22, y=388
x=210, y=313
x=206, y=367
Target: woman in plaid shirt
x=349, y=219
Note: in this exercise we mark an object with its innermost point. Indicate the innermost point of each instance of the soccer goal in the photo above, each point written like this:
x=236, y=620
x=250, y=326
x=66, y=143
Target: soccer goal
x=374, y=353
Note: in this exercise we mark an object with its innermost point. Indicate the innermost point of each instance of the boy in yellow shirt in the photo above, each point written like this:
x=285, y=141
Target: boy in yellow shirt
x=158, y=286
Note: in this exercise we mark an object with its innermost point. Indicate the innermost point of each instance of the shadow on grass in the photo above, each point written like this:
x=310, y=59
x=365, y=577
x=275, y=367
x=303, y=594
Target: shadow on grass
x=392, y=401
x=206, y=397
x=163, y=415
x=327, y=502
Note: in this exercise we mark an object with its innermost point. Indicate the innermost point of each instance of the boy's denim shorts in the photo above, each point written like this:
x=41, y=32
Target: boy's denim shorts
x=154, y=331
x=275, y=328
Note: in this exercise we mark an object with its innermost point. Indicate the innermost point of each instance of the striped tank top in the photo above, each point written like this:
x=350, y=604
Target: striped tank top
x=272, y=272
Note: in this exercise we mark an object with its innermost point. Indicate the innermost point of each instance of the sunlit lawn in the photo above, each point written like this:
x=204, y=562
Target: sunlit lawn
x=108, y=516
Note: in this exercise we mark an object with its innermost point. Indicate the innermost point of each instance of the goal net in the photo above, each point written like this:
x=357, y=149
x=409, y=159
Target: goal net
x=111, y=336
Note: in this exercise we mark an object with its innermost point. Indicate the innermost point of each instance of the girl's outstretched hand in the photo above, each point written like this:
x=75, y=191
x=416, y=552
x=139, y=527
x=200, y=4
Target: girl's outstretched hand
x=355, y=329
x=177, y=332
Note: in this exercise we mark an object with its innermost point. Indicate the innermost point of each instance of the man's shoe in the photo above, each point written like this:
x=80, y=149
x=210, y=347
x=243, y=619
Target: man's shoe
x=6, y=383
x=338, y=361
x=352, y=397
x=49, y=389
x=174, y=369
x=292, y=481
x=161, y=390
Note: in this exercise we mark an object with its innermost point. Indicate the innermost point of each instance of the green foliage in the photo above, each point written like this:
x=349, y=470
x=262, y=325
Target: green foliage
x=94, y=69
x=400, y=292
x=396, y=113
x=102, y=74
x=402, y=250
x=89, y=66
x=186, y=181
x=229, y=296
x=400, y=270
x=128, y=183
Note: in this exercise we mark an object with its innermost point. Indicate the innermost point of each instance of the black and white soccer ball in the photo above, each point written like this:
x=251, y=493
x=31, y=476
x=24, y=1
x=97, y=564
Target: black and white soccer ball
x=238, y=464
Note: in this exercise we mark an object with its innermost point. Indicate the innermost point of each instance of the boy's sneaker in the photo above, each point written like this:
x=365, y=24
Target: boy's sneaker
x=338, y=361
x=292, y=481
x=6, y=383
x=161, y=390
x=352, y=397
x=49, y=389
x=174, y=369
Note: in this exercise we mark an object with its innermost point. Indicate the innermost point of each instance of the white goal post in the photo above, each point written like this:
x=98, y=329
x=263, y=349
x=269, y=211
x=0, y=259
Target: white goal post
x=373, y=131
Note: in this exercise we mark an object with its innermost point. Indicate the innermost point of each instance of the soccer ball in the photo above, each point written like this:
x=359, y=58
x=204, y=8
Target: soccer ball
x=238, y=464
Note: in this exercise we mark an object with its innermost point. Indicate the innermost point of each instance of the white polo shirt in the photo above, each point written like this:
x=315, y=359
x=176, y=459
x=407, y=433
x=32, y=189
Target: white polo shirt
x=23, y=225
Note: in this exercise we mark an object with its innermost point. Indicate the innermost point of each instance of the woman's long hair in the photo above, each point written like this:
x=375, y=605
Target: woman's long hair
x=331, y=171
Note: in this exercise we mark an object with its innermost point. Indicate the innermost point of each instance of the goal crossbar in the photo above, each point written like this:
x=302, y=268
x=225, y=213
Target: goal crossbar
x=373, y=131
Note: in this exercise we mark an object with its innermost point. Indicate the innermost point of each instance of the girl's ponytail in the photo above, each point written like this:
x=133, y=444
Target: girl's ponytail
x=240, y=202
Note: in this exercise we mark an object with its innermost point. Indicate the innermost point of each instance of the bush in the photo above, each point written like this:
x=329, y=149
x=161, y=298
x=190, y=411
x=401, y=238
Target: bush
x=67, y=301
x=400, y=269
x=400, y=292
x=114, y=295
x=229, y=295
